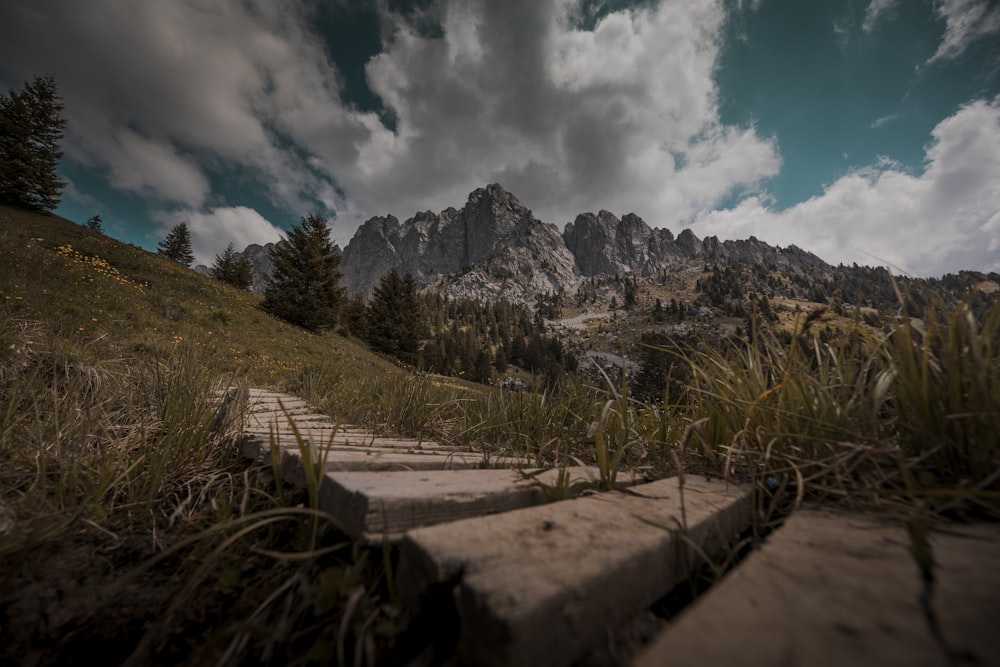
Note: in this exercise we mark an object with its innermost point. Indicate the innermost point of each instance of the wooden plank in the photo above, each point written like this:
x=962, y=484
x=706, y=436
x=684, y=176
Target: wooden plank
x=834, y=589
x=543, y=585
x=265, y=419
x=321, y=431
x=328, y=438
x=966, y=594
x=361, y=459
x=379, y=508
x=277, y=404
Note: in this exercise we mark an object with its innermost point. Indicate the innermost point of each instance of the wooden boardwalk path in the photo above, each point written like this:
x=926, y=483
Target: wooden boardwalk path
x=531, y=582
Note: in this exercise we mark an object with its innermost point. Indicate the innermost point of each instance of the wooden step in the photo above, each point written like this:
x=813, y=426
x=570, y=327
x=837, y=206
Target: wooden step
x=330, y=437
x=380, y=507
x=543, y=585
x=358, y=458
x=833, y=589
x=266, y=419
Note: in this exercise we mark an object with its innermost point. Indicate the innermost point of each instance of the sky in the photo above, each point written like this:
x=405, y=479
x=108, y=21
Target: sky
x=864, y=131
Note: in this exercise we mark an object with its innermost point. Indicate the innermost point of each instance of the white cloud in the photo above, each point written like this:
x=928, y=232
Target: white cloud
x=875, y=10
x=566, y=118
x=153, y=168
x=942, y=220
x=212, y=230
x=965, y=21
x=158, y=92
x=73, y=193
x=884, y=120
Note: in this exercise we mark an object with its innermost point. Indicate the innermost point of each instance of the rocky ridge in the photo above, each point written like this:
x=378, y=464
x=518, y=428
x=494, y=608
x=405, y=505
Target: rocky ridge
x=494, y=247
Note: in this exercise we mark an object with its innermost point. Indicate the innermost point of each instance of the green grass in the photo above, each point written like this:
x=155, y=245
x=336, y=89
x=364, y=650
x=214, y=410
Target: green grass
x=130, y=527
x=903, y=422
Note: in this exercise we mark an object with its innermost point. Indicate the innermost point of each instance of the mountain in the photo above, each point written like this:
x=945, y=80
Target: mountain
x=530, y=261
x=260, y=259
x=604, y=245
x=494, y=247
x=429, y=246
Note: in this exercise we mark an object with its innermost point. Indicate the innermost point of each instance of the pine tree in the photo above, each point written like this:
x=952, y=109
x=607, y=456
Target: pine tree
x=31, y=129
x=177, y=245
x=303, y=287
x=354, y=315
x=94, y=224
x=231, y=267
x=395, y=323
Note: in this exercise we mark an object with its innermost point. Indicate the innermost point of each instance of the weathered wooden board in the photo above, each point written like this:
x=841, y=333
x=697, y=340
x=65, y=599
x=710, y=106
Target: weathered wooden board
x=378, y=508
x=360, y=458
x=543, y=585
x=266, y=419
x=325, y=438
x=272, y=413
x=834, y=589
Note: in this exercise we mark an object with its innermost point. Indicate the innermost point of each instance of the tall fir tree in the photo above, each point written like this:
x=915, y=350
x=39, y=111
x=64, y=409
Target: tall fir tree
x=177, y=245
x=95, y=224
x=304, y=285
x=233, y=268
x=395, y=321
x=354, y=315
x=31, y=131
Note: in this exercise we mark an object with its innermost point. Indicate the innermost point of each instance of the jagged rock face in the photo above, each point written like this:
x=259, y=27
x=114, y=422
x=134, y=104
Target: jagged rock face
x=260, y=259
x=593, y=240
x=603, y=244
x=495, y=248
x=372, y=251
x=428, y=246
x=531, y=260
x=755, y=251
x=689, y=244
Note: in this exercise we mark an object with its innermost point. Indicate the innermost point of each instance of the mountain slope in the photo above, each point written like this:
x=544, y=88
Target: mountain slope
x=102, y=297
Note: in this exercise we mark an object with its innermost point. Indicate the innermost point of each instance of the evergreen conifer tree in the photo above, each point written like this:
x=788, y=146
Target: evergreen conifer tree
x=232, y=268
x=303, y=287
x=31, y=130
x=177, y=245
x=94, y=224
x=354, y=315
x=394, y=318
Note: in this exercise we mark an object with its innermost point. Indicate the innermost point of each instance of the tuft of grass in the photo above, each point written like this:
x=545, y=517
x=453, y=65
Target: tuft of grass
x=865, y=420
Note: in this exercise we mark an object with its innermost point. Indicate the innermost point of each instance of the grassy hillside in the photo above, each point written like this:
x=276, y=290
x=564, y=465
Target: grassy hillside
x=107, y=299
x=130, y=529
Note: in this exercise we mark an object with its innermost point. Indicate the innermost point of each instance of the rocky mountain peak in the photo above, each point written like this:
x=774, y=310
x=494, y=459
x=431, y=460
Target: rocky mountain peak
x=603, y=244
x=689, y=243
x=494, y=247
x=497, y=200
x=430, y=245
